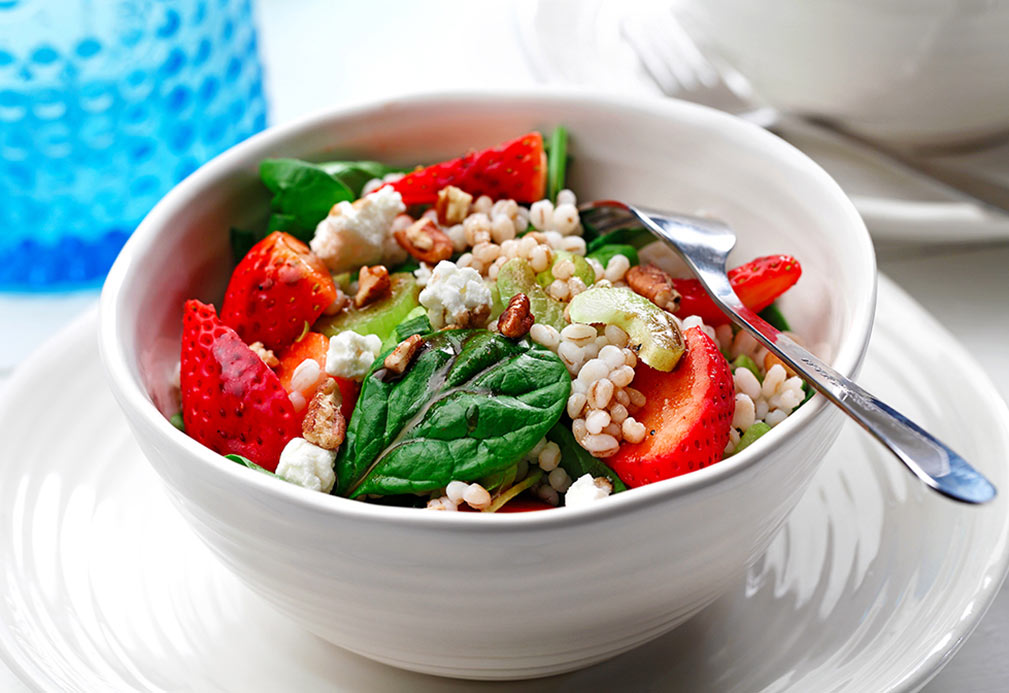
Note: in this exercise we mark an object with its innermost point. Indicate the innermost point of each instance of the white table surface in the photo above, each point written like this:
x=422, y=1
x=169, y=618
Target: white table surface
x=318, y=54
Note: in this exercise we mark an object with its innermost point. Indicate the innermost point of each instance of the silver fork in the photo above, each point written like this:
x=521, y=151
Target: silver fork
x=679, y=68
x=704, y=245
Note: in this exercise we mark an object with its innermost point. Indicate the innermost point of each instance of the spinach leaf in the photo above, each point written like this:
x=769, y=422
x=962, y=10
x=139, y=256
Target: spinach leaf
x=411, y=326
x=245, y=462
x=242, y=241
x=637, y=238
x=354, y=174
x=773, y=315
x=605, y=253
x=471, y=404
x=557, y=161
x=288, y=223
x=577, y=461
x=303, y=191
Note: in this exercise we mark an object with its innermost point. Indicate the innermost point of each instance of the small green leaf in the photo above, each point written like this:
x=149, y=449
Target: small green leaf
x=530, y=481
x=557, y=160
x=604, y=254
x=289, y=224
x=637, y=238
x=245, y=462
x=577, y=461
x=414, y=324
x=354, y=174
x=176, y=420
x=471, y=404
x=302, y=190
x=242, y=241
x=775, y=317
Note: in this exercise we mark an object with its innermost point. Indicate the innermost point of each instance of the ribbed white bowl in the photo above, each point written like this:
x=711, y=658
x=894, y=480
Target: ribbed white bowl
x=526, y=595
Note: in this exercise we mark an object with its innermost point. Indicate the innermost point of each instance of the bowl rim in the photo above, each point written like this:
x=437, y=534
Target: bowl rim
x=132, y=395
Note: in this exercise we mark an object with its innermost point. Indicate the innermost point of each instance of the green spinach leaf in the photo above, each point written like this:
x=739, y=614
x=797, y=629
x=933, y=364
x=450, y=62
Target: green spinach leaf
x=303, y=191
x=557, y=161
x=471, y=404
x=637, y=238
x=354, y=174
x=245, y=462
x=604, y=254
x=577, y=461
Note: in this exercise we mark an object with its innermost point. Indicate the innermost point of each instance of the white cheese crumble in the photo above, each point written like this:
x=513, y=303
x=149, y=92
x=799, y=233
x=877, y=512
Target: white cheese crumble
x=586, y=490
x=359, y=233
x=307, y=465
x=350, y=354
x=453, y=293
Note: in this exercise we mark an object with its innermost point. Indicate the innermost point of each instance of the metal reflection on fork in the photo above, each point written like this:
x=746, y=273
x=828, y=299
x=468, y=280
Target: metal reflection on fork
x=704, y=245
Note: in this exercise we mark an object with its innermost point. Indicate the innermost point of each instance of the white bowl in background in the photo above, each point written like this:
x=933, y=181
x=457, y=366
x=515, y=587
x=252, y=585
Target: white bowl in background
x=519, y=595
x=921, y=71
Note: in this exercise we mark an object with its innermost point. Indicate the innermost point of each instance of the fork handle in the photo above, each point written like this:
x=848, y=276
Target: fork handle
x=929, y=459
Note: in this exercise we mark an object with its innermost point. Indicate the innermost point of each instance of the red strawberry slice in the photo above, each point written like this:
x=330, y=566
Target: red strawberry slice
x=278, y=287
x=231, y=401
x=516, y=170
x=757, y=283
x=687, y=415
x=314, y=346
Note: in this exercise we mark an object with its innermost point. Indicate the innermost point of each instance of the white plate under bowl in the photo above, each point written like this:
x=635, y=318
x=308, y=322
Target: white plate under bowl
x=873, y=583
x=579, y=42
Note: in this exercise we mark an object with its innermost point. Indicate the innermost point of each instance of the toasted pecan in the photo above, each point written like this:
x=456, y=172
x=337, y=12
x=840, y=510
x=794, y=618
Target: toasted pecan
x=425, y=241
x=452, y=205
x=517, y=319
x=655, y=285
x=373, y=283
x=399, y=358
x=324, y=424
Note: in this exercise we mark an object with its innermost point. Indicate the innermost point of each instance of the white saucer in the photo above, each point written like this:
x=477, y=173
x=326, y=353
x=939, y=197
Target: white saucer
x=580, y=42
x=872, y=585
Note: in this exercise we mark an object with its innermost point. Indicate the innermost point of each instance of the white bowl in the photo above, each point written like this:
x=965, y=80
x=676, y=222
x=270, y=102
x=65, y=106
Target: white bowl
x=923, y=71
x=508, y=596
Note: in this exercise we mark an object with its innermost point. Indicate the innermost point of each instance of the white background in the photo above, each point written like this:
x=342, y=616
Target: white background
x=318, y=54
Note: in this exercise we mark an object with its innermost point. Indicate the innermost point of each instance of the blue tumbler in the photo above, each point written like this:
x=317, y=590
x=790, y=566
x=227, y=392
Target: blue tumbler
x=104, y=106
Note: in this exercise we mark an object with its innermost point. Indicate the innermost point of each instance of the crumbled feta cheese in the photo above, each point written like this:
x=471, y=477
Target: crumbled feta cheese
x=359, y=233
x=586, y=490
x=455, y=295
x=351, y=354
x=307, y=465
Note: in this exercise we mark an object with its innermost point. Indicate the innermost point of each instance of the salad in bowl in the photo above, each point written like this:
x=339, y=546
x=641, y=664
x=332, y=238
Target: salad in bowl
x=461, y=337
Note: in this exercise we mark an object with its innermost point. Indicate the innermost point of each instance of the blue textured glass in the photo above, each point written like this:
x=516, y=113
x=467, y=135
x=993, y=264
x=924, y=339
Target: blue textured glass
x=104, y=106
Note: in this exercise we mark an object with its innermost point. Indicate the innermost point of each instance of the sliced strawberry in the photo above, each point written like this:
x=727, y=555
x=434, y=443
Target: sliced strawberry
x=757, y=283
x=515, y=170
x=687, y=415
x=314, y=346
x=231, y=401
x=278, y=287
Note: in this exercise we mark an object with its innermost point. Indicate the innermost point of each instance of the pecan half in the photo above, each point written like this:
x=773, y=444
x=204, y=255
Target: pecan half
x=655, y=285
x=425, y=241
x=324, y=424
x=372, y=284
x=399, y=358
x=452, y=205
x=516, y=320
